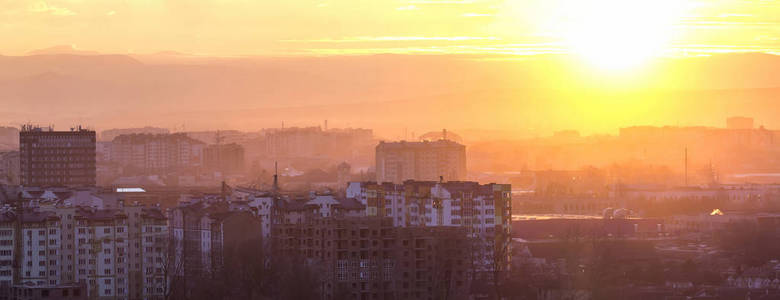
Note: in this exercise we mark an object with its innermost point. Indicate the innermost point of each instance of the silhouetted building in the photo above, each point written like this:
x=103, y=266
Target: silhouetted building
x=157, y=153
x=202, y=230
x=9, y=167
x=400, y=161
x=369, y=258
x=57, y=158
x=349, y=144
x=228, y=158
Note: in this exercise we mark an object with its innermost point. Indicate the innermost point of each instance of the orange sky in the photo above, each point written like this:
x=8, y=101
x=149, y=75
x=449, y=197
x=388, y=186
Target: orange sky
x=305, y=27
x=500, y=37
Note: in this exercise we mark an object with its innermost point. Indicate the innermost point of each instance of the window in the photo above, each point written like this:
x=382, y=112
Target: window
x=106, y=230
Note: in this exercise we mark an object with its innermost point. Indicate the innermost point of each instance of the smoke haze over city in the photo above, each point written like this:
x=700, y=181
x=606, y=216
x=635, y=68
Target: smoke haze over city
x=389, y=149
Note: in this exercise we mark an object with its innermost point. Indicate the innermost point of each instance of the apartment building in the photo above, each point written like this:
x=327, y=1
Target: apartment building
x=56, y=158
x=428, y=160
x=224, y=158
x=157, y=153
x=117, y=253
x=202, y=230
x=482, y=210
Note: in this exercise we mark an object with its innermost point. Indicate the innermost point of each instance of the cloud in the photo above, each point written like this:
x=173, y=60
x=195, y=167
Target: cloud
x=397, y=38
x=471, y=15
x=111, y=13
x=407, y=7
x=729, y=15
x=43, y=7
x=502, y=49
x=441, y=1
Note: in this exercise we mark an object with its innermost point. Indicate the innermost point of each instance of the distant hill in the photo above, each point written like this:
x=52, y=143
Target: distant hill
x=62, y=49
x=380, y=91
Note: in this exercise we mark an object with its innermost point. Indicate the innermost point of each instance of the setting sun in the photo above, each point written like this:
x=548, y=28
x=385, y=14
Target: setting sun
x=613, y=34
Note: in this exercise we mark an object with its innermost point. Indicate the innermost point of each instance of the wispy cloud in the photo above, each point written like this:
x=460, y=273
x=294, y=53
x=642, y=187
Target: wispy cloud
x=704, y=49
x=111, y=13
x=441, y=1
x=397, y=38
x=472, y=15
x=730, y=15
x=43, y=7
x=500, y=49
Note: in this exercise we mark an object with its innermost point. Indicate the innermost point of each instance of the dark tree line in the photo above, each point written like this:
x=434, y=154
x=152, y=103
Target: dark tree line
x=253, y=272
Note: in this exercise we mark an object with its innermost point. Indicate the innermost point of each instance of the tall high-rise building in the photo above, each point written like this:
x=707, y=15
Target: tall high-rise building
x=428, y=160
x=56, y=158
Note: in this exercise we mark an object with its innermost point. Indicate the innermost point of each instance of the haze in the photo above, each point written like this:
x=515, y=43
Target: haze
x=422, y=65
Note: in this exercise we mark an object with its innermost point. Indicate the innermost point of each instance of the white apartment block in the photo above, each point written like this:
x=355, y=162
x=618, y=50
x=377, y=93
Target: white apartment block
x=117, y=254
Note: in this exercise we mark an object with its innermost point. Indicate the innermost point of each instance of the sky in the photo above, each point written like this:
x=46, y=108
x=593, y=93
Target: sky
x=593, y=29
x=520, y=54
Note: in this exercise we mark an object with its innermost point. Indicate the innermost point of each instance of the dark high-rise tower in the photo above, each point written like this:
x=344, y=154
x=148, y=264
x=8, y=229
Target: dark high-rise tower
x=56, y=158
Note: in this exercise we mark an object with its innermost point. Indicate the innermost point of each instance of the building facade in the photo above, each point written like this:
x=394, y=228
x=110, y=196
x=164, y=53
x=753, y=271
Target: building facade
x=157, y=153
x=428, y=160
x=115, y=254
x=56, y=158
x=227, y=158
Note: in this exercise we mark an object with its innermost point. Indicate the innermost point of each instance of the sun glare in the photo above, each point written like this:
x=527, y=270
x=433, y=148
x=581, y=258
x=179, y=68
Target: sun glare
x=619, y=34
